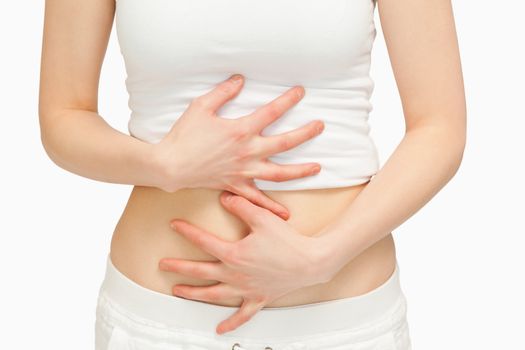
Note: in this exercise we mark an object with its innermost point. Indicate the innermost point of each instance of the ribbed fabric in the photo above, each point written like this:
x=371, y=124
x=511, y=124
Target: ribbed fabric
x=175, y=51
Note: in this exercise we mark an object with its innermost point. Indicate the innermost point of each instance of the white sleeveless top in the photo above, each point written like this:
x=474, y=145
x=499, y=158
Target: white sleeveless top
x=176, y=50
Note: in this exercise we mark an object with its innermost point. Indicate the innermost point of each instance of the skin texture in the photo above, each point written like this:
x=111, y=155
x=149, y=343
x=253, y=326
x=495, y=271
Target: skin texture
x=348, y=240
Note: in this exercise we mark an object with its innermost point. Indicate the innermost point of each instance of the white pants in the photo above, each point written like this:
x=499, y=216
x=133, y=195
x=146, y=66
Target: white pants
x=131, y=317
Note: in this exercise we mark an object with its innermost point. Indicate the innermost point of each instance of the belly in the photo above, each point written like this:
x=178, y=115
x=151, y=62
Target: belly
x=143, y=236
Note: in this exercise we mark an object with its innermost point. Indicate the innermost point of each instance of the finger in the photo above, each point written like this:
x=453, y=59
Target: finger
x=268, y=113
x=256, y=196
x=213, y=293
x=283, y=172
x=198, y=269
x=221, y=94
x=285, y=141
x=210, y=243
x=247, y=310
x=248, y=212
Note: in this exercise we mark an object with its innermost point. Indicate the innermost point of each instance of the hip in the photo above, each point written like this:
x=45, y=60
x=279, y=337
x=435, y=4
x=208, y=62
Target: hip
x=129, y=316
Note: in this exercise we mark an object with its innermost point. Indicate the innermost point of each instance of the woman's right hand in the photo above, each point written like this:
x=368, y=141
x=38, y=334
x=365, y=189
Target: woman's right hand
x=205, y=150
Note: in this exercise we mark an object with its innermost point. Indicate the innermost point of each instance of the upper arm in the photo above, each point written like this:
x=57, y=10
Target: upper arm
x=421, y=41
x=75, y=37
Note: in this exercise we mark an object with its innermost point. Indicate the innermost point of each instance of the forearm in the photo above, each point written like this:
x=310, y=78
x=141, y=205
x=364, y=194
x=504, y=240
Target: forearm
x=81, y=142
x=424, y=161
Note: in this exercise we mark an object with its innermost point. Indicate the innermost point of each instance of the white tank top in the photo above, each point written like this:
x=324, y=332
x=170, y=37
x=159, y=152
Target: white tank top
x=175, y=51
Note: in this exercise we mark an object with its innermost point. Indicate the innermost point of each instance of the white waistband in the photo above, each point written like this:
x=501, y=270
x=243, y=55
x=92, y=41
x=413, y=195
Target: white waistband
x=288, y=321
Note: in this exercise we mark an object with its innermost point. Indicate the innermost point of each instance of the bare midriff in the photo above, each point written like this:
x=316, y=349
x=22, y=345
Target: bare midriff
x=143, y=236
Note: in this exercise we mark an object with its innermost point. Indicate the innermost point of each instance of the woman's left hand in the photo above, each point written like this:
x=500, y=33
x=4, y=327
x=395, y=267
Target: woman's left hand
x=271, y=261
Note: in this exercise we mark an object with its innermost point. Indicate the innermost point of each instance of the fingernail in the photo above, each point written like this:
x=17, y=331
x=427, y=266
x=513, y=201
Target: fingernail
x=300, y=92
x=320, y=128
x=316, y=169
x=173, y=224
x=227, y=196
x=236, y=78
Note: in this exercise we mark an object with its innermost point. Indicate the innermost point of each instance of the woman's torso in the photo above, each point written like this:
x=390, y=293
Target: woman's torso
x=176, y=51
x=143, y=236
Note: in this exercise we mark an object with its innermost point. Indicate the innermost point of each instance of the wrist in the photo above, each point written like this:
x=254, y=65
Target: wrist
x=165, y=170
x=329, y=256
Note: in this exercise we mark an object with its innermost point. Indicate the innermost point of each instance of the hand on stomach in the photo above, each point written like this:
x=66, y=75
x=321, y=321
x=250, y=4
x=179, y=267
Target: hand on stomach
x=203, y=155
x=143, y=237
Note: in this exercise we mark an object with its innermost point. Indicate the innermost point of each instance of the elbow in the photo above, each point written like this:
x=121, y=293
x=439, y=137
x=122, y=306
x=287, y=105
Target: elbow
x=456, y=142
x=454, y=145
x=45, y=137
x=457, y=157
x=453, y=150
x=48, y=125
x=47, y=146
x=446, y=137
x=44, y=134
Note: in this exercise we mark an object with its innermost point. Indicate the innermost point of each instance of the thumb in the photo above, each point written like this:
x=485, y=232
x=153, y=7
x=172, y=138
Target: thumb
x=251, y=214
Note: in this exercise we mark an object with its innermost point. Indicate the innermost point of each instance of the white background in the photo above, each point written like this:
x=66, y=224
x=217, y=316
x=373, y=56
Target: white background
x=461, y=256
